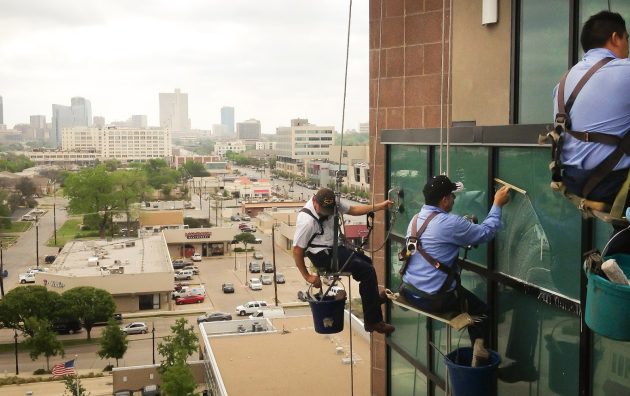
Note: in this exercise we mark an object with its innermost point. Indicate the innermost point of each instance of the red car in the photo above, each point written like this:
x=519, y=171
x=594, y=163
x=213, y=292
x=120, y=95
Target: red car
x=190, y=300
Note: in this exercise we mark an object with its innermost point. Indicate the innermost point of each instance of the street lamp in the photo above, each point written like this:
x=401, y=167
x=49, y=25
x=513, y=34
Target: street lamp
x=37, y=240
x=52, y=182
x=273, y=255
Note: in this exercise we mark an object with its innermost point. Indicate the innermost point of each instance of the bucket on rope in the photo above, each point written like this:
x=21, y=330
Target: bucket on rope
x=471, y=381
x=608, y=304
x=327, y=312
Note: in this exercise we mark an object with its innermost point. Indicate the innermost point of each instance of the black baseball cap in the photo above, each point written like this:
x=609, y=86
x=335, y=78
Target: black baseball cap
x=325, y=197
x=438, y=187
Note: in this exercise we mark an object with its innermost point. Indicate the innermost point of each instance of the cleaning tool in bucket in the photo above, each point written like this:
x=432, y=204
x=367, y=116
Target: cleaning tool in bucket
x=608, y=304
x=471, y=381
x=328, y=312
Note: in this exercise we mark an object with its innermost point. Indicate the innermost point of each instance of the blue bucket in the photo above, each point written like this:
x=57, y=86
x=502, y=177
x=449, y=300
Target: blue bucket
x=471, y=381
x=328, y=314
x=608, y=304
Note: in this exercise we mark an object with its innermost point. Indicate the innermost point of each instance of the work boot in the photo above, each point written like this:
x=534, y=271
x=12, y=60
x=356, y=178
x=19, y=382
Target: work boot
x=380, y=327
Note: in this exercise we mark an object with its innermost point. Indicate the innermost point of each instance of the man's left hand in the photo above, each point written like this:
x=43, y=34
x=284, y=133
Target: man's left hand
x=385, y=204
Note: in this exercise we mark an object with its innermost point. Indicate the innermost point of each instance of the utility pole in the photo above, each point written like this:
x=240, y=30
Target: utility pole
x=17, y=369
x=1, y=270
x=273, y=250
x=37, y=240
x=153, y=340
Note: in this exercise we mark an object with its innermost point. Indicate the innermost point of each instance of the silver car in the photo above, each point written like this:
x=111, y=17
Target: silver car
x=136, y=328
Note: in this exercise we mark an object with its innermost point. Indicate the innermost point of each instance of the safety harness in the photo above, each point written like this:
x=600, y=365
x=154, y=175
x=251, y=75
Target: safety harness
x=320, y=222
x=562, y=125
x=415, y=243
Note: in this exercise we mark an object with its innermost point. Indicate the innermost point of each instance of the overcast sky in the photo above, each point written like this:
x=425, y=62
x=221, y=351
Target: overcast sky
x=272, y=60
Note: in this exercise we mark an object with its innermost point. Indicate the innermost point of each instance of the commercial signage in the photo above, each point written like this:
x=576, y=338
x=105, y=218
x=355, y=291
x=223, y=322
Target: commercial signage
x=56, y=284
x=198, y=235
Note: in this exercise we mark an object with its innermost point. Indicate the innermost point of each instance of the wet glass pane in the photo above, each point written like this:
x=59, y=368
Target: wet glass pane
x=603, y=233
x=394, y=265
x=611, y=367
x=408, y=171
x=539, y=345
x=544, y=51
x=404, y=378
x=540, y=236
x=469, y=165
x=478, y=286
x=411, y=332
x=439, y=337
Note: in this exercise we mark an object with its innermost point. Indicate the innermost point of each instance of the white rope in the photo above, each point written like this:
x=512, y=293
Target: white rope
x=448, y=88
x=442, y=87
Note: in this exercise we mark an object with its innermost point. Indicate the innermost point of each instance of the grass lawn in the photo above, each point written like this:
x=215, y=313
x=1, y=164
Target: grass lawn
x=17, y=226
x=70, y=230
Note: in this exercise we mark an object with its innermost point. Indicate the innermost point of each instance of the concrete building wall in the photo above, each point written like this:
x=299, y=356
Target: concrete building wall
x=135, y=378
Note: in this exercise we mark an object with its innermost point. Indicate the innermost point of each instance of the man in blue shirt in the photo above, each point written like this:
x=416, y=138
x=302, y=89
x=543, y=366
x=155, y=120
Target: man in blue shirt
x=602, y=106
x=433, y=289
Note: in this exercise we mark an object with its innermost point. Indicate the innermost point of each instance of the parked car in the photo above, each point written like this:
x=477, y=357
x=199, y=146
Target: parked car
x=266, y=279
x=258, y=241
x=271, y=312
x=247, y=229
x=185, y=291
x=255, y=284
x=28, y=217
x=228, y=288
x=67, y=327
x=246, y=218
x=27, y=277
x=258, y=255
x=179, y=263
x=136, y=328
x=183, y=274
x=250, y=307
x=190, y=300
x=193, y=268
x=214, y=317
x=267, y=266
x=50, y=259
x=235, y=218
x=280, y=278
x=254, y=267
x=196, y=257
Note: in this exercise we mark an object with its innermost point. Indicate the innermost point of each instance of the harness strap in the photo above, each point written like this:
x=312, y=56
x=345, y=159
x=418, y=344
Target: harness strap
x=320, y=222
x=607, y=165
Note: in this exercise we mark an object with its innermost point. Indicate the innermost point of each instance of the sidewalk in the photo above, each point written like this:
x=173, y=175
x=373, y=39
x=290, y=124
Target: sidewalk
x=98, y=386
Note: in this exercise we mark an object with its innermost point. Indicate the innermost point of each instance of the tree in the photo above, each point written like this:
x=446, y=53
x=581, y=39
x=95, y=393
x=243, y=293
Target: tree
x=43, y=341
x=178, y=380
x=91, y=191
x=25, y=186
x=112, y=164
x=90, y=305
x=129, y=187
x=178, y=347
x=246, y=238
x=74, y=387
x=26, y=302
x=160, y=173
x=194, y=169
x=114, y=342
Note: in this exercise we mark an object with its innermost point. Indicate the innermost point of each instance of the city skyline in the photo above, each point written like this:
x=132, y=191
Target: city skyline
x=270, y=61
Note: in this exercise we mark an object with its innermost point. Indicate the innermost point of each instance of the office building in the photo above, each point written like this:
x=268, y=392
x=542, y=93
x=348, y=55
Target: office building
x=138, y=121
x=221, y=131
x=227, y=118
x=283, y=141
x=364, y=127
x=79, y=113
x=38, y=127
x=311, y=141
x=174, y=111
x=98, y=121
x=235, y=146
x=485, y=125
x=248, y=130
x=121, y=143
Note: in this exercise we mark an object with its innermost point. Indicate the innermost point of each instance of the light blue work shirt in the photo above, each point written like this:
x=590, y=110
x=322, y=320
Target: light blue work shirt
x=603, y=106
x=444, y=235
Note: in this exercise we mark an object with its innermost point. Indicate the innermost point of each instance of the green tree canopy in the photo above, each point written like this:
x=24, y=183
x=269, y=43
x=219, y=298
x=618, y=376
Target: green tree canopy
x=90, y=305
x=14, y=163
x=178, y=380
x=177, y=347
x=194, y=169
x=114, y=342
x=43, y=341
x=25, y=186
x=159, y=173
x=25, y=302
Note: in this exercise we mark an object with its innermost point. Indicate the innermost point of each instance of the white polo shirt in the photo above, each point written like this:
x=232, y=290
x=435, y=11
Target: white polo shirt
x=306, y=226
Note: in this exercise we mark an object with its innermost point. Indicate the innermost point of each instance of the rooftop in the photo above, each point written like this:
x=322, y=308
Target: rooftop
x=292, y=360
x=135, y=256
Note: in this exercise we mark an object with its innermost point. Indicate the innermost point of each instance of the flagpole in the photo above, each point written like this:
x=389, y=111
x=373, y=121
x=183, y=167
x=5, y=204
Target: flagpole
x=76, y=372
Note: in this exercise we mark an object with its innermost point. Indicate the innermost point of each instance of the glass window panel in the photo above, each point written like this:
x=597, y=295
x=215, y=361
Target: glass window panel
x=394, y=265
x=469, y=165
x=611, y=366
x=404, y=378
x=533, y=244
x=544, y=51
x=411, y=332
x=539, y=345
x=603, y=233
x=440, y=341
x=408, y=171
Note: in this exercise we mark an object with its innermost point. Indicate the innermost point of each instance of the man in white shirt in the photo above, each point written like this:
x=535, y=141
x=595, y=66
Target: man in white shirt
x=314, y=234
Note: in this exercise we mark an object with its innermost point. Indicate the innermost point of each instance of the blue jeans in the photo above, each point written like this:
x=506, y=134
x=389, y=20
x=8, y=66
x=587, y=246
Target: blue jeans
x=450, y=303
x=362, y=270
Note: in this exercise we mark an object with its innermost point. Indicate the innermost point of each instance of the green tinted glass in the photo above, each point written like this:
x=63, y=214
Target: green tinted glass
x=611, y=366
x=411, y=332
x=404, y=378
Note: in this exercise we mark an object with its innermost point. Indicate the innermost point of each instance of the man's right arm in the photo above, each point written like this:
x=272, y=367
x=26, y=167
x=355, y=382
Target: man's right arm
x=298, y=257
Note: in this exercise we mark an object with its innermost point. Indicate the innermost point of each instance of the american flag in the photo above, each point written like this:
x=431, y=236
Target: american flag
x=62, y=369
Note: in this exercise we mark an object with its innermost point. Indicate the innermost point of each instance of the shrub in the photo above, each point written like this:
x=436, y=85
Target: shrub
x=40, y=371
x=109, y=367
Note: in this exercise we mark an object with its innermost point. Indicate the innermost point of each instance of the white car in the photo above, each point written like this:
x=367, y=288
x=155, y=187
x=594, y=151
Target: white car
x=196, y=257
x=135, y=328
x=28, y=277
x=255, y=284
x=250, y=307
x=258, y=255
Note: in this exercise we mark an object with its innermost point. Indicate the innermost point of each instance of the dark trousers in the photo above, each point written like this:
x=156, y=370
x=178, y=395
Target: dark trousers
x=450, y=303
x=362, y=270
x=606, y=191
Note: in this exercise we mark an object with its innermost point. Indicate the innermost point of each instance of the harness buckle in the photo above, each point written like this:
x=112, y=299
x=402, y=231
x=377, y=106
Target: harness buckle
x=561, y=122
x=586, y=137
x=412, y=245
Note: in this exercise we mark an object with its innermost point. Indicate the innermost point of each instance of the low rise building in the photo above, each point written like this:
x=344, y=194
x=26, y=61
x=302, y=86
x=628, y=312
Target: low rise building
x=137, y=272
x=235, y=146
x=153, y=221
x=215, y=241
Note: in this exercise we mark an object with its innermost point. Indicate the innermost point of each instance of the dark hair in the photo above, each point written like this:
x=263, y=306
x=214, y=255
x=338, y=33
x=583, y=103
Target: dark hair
x=437, y=188
x=599, y=28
